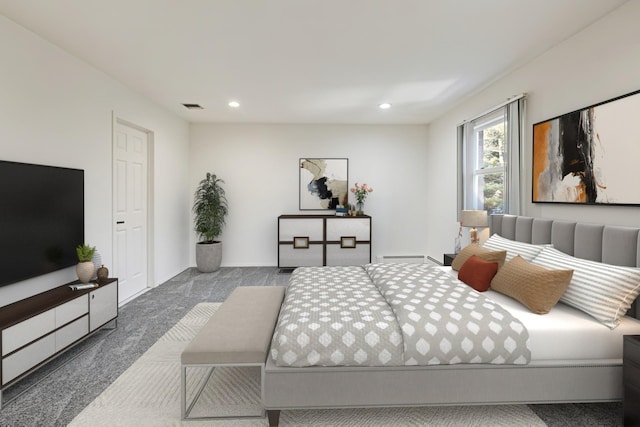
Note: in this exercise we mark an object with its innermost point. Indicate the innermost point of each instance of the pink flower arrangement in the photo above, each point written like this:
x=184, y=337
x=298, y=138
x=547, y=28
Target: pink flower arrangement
x=361, y=191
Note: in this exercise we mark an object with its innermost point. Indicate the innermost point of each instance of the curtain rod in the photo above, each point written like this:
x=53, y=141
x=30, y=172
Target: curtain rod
x=491, y=110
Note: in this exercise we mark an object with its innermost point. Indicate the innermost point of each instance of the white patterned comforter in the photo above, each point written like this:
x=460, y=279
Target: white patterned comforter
x=392, y=315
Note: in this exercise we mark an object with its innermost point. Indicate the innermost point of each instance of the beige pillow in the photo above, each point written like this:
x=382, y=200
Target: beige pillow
x=535, y=287
x=480, y=252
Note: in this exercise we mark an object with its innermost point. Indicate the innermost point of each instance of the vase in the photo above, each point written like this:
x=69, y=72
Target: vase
x=84, y=270
x=102, y=274
x=359, y=208
x=97, y=262
x=208, y=256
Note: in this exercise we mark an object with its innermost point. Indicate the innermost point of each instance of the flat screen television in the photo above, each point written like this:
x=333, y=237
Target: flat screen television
x=41, y=219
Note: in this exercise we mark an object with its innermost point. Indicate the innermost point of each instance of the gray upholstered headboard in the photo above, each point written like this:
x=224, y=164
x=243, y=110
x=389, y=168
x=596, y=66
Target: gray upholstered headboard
x=603, y=243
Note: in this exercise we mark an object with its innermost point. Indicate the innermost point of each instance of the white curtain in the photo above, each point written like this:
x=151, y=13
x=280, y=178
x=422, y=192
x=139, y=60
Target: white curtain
x=514, y=135
x=460, y=167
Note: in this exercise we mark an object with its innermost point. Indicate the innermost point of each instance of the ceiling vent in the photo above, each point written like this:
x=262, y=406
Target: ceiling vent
x=193, y=106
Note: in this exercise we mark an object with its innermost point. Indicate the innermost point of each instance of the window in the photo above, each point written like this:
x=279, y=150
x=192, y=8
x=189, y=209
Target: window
x=486, y=164
x=489, y=160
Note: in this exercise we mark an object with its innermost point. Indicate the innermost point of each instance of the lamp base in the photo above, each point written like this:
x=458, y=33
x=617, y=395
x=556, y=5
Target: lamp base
x=474, y=236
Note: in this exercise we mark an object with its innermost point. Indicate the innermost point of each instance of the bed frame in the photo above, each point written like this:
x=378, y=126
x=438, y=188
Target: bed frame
x=344, y=387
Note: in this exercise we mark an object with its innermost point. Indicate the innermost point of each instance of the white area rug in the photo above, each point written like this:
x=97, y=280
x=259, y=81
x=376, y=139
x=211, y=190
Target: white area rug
x=148, y=394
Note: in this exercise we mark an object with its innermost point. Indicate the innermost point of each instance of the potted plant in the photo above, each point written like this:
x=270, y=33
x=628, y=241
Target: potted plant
x=210, y=209
x=85, y=267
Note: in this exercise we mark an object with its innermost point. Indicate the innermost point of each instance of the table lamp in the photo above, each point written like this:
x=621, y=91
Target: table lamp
x=473, y=219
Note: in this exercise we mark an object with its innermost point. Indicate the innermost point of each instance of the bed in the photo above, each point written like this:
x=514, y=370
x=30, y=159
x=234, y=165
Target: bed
x=579, y=361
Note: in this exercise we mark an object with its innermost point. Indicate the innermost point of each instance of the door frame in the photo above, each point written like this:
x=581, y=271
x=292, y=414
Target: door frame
x=117, y=120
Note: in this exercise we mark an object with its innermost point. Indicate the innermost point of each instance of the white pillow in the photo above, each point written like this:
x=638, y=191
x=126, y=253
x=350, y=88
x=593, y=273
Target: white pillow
x=527, y=251
x=603, y=291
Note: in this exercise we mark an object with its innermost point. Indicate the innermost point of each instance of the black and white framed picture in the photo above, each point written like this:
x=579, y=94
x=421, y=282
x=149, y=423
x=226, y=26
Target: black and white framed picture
x=323, y=183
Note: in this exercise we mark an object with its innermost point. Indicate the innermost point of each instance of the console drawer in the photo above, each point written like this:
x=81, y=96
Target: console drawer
x=360, y=228
x=359, y=255
x=25, y=359
x=29, y=330
x=72, y=333
x=71, y=310
x=288, y=228
x=300, y=257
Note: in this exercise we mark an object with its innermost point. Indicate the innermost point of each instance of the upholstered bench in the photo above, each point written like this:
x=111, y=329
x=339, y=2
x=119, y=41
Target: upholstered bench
x=238, y=334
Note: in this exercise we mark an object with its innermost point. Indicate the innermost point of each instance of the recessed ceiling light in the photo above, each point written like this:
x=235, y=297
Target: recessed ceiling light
x=384, y=105
x=193, y=106
x=234, y=104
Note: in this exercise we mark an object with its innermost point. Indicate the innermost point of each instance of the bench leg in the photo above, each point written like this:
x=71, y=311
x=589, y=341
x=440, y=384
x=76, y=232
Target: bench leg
x=186, y=407
x=274, y=417
x=183, y=389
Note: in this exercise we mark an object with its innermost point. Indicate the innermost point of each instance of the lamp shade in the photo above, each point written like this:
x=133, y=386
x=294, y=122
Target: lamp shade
x=474, y=218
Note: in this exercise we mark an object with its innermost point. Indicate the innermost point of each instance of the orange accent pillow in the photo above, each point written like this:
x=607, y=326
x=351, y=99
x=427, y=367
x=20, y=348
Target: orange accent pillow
x=477, y=273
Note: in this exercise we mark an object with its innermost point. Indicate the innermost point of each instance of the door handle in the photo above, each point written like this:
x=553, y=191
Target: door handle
x=120, y=222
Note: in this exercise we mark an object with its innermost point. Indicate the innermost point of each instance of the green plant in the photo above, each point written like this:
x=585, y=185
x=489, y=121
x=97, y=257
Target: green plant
x=85, y=252
x=210, y=208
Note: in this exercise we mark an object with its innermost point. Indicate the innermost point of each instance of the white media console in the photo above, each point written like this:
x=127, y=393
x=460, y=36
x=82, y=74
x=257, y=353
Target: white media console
x=39, y=328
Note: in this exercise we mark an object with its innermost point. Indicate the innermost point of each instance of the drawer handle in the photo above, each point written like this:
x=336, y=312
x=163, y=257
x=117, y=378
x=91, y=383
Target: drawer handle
x=348, y=242
x=301, y=242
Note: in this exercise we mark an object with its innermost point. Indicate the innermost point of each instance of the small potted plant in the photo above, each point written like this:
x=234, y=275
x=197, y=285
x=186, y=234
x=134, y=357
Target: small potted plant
x=210, y=209
x=85, y=267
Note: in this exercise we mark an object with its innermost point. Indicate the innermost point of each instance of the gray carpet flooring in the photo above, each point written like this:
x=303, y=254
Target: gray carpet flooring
x=56, y=393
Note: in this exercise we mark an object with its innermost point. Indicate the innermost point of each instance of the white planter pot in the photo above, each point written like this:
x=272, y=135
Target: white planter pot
x=85, y=270
x=208, y=256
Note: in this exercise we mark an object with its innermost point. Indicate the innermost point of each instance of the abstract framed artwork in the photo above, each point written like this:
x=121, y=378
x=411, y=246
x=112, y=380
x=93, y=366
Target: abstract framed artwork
x=589, y=156
x=323, y=183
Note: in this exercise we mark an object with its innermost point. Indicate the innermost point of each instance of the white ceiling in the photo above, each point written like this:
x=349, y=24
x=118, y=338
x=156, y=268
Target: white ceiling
x=307, y=61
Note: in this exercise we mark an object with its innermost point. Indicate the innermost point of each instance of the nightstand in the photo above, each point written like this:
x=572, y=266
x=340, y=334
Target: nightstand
x=631, y=379
x=448, y=259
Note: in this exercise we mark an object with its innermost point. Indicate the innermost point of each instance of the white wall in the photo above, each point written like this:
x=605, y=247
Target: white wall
x=597, y=64
x=58, y=110
x=259, y=164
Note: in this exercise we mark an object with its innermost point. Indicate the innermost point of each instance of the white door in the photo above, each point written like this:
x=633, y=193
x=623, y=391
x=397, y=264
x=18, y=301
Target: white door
x=130, y=197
